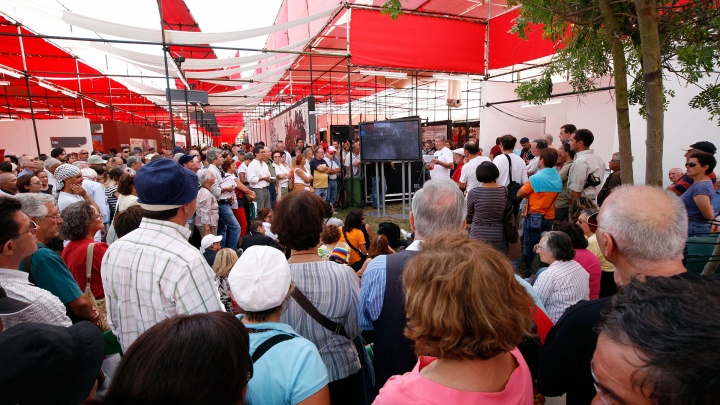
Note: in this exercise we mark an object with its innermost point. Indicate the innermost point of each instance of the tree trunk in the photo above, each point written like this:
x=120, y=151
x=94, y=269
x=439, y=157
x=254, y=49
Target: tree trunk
x=654, y=97
x=612, y=30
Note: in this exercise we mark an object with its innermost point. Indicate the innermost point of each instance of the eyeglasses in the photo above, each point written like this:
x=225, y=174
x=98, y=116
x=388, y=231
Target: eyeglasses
x=84, y=153
x=600, y=391
x=592, y=222
x=55, y=217
x=690, y=164
x=33, y=230
x=538, y=248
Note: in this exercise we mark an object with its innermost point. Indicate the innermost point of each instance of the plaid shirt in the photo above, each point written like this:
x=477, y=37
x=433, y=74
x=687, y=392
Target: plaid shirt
x=152, y=274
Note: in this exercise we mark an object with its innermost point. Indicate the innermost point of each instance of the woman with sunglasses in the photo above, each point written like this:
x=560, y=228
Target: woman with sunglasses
x=588, y=222
x=282, y=171
x=698, y=199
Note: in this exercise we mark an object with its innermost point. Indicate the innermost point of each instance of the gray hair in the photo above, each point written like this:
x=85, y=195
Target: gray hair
x=249, y=156
x=438, y=206
x=549, y=138
x=89, y=173
x=21, y=160
x=615, y=156
x=308, y=153
x=559, y=245
x=647, y=223
x=204, y=175
x=77, y=218
x=81, y=164
x=212, y=154
x=34, y=205
x=647, y=315
x=50, y=162
x=133, y=160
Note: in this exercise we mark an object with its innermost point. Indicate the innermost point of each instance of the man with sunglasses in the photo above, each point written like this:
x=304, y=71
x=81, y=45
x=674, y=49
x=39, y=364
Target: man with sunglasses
x=639, y=243
x=17, y=242
x=46, y=268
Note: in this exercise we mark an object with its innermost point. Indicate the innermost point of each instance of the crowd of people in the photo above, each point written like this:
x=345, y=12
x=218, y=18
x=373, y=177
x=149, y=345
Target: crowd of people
x=222, y=276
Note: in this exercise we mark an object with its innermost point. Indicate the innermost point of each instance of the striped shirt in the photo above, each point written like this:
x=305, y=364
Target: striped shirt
x=562, y=285
x=334, y=291
x=485, y=207
x=152, y=274
x=44, y=308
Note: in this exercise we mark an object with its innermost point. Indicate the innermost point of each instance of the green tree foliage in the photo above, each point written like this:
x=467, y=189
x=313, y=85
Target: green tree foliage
x=393, y=8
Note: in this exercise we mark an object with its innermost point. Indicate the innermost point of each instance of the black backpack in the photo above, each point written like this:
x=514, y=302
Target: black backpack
x=513, y=187
x=391, y=231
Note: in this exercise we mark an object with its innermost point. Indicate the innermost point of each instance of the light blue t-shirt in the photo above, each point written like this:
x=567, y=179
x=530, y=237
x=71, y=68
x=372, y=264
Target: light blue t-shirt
x=699, y=188
x=289, y=373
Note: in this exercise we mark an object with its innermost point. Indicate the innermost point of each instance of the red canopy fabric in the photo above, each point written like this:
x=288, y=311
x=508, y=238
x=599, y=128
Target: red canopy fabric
x=416, y=42
x=507, y=49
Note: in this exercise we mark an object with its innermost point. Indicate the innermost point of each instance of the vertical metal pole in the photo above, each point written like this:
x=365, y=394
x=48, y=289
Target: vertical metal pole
x=402, y=176
x=350, y=127
x=27, y=85
x=112, y=110
x=80, y=95
x=311, y=74
x=166, y=54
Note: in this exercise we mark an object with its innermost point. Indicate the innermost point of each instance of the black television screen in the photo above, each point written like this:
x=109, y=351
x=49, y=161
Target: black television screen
x=390, y=140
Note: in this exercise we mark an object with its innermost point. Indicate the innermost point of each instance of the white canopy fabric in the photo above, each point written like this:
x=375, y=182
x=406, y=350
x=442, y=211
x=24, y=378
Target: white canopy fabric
x=158, y=62
x=181, y=37
x=216, y=74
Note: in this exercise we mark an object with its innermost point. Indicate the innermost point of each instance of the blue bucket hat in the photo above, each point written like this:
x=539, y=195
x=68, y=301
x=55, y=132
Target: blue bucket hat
x=163, y=184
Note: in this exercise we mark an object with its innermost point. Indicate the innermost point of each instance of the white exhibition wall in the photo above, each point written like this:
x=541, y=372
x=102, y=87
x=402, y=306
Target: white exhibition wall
x=595, y=111
x=683, y=127
x=18, y=136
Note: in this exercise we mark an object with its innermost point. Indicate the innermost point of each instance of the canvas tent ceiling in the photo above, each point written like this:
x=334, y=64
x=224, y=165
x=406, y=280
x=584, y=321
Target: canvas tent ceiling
x=434, y=35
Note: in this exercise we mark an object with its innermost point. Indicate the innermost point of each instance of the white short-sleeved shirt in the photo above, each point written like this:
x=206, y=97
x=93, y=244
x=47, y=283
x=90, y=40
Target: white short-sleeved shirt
x=585, y=162
x=444, y=155
x=467, y=173
x=519, y=170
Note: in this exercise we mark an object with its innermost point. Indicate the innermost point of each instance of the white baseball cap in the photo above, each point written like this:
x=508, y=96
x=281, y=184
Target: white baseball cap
x=208, y=240
x=260, y=279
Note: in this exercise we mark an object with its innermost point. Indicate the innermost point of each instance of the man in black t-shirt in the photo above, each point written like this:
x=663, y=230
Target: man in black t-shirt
x=639, y=243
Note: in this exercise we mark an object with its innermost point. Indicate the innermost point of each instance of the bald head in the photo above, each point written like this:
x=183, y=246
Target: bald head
x=647, y=223
x=675, y=174
x=8, y=182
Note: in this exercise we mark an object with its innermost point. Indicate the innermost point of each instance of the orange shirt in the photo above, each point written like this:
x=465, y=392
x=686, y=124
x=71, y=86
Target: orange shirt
x=355, y=238
x=540, y=202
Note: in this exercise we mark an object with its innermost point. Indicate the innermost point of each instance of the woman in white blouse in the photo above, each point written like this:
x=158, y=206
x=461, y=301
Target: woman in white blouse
x=565, y=281
x=301, y=175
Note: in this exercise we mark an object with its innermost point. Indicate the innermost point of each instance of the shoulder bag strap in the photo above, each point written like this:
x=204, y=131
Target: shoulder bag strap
x=510, y=169
x=88, y=264
x=305, y=303
x=268, y=344
x=350, y=244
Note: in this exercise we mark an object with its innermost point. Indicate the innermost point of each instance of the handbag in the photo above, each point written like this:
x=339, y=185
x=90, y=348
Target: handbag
x=513, y=186
x=509, y=229
x=99, y=304
x=366, y=365
x=535, y=219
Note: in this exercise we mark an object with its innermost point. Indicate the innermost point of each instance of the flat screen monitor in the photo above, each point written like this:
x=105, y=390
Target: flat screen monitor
x=382, y=141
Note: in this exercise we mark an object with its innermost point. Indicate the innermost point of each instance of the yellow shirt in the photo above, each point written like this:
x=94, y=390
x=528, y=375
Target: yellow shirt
x=594, y=247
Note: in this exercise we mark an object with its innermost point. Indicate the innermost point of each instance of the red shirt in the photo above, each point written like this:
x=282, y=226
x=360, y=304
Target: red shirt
x=456, y=173
x=74, y=256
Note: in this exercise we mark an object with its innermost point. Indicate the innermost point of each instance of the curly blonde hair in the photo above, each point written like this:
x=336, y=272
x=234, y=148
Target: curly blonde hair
x=463, y=301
